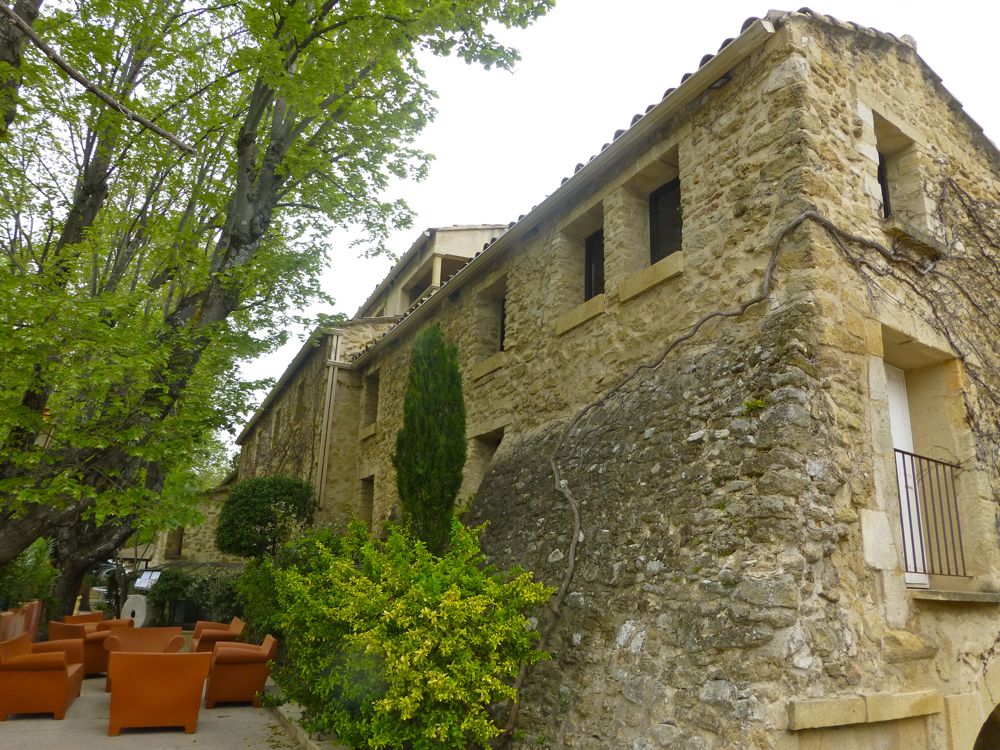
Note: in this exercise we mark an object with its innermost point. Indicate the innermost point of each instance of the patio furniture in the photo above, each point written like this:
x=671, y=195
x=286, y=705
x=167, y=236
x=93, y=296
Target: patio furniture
x=85, y=617
x=239, y=671
x=208, y=633
x=142, y=640
x=7, y=626
x=33, y=611
x=156, y=690
x=95, y=657
x=39, y=677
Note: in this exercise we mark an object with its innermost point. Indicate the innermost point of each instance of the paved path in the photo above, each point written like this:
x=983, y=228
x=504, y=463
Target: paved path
x=226, y=727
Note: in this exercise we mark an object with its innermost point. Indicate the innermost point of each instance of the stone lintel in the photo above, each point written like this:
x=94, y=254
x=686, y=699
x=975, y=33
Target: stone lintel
x=485, y=367
x=654, y=275
x=826, y=712
x=862, y=709
x=367, y=431
x=580, y=314
x=488, y=426
x=891, y=706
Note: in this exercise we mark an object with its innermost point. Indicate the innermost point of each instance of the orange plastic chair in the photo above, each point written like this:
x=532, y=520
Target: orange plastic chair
x=239, y=671
x=33, y=617
x=142, y=640
x=86, y=617
x=208, y=633
x=156, y=690
x=7, y=626
x=92, y=635
x=39, y=678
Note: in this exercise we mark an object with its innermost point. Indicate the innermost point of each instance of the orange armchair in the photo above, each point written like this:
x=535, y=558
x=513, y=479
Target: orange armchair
x=84, y=618
x=156, y=690
x=142, y=640
x=95, y=657
x=208, y=633
x=239, y=671
x=39, y=677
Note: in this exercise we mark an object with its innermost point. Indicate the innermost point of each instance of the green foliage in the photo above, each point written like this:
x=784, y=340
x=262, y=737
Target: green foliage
x=214, y=591
x=172, y=586
x=28, y=576
x=261, y=514
x=136, y=277
x=754, y=404
x=430, y=447
x=256, y=586
x=390, y=646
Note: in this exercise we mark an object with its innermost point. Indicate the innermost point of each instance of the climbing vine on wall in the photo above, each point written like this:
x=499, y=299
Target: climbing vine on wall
x=954, y=286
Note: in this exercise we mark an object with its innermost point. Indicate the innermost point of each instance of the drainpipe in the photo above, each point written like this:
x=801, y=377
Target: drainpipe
x=329, y=397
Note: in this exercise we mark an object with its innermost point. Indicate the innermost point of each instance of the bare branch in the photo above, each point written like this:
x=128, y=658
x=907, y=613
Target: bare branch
x=91, y=87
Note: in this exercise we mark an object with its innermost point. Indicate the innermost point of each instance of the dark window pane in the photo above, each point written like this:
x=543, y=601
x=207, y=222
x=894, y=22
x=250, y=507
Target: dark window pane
x=665, y=221
x=593, y=280
x=883, y=182
x=503, y=322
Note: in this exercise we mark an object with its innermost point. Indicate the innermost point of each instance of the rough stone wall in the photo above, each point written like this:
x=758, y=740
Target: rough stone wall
x=285, y=440
x=737, y=552
x=546, y=375
x=919, y=644
x=730, y=563
x=736, y=568
x=704, y=593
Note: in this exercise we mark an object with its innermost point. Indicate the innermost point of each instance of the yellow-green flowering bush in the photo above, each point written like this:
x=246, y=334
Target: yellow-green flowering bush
x=390, y=646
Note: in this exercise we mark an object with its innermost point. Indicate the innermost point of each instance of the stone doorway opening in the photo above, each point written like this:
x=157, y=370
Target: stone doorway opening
x=989, y=735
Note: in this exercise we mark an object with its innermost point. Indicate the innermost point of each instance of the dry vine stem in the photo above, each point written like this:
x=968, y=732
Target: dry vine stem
x=843, y=240
x=93, y=88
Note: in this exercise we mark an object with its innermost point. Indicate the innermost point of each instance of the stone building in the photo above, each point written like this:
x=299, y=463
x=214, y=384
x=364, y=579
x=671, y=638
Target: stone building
x=733, y=386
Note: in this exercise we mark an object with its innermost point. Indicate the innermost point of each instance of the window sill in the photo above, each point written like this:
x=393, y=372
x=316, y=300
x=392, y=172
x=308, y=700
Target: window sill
x=367, y=431
x=919, y=237
x=653, y=276
x=580, y=314
x=488, y=365
x=963, y=597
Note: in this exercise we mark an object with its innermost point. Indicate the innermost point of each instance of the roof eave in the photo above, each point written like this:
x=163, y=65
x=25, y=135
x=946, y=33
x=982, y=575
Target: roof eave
x=313, y=342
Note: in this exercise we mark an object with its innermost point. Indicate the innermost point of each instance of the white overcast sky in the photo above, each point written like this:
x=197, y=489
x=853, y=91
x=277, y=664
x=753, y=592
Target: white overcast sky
x=503, y=141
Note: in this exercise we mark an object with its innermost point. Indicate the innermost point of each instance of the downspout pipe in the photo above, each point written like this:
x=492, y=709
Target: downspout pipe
x=329, y=399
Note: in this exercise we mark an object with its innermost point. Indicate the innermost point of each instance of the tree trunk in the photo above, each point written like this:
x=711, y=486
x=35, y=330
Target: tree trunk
x=11, y=46
x=17, y=534
x=78, y=548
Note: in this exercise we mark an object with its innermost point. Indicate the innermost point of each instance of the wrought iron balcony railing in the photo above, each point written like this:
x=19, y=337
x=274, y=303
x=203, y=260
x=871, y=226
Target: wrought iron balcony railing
x=929, y=513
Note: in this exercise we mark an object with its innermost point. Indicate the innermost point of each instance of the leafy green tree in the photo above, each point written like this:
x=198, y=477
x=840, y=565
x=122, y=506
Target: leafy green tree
x=261, y=514
x=430, y=447
x=136, y=275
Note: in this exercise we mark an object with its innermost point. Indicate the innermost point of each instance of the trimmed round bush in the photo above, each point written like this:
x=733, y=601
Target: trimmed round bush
x=261, y=514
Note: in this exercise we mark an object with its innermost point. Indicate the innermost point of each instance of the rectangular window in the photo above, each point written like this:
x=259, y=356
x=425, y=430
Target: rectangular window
x=503, y=323
x=665, y=221
x=593, y=265
x=369, y=412
x=365, y=512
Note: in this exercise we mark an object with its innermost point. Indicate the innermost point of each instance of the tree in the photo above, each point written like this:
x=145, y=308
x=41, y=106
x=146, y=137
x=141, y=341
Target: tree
x=430, y=447
x=136, y=276
x=260, y=515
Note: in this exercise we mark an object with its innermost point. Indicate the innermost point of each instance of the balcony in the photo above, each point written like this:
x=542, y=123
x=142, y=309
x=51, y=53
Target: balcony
x=929, y=517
